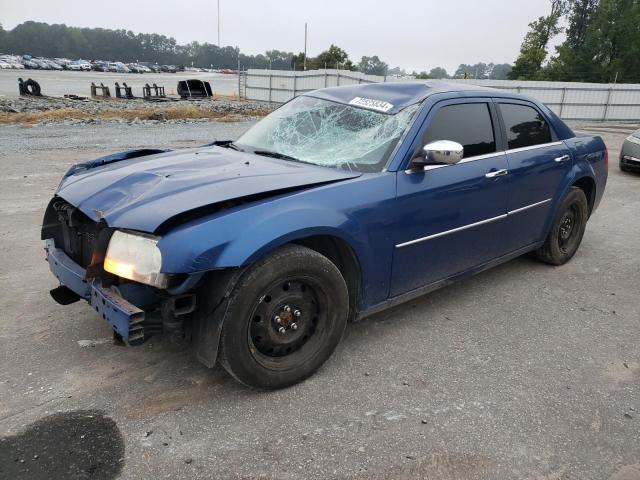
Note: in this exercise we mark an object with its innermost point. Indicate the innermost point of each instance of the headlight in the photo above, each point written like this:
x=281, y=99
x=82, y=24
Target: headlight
x=135, y=257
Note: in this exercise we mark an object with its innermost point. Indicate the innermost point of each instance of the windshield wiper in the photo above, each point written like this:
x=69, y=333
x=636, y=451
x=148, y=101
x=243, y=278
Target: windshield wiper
x=226, y=144
x=233, y=146
x=281, y=156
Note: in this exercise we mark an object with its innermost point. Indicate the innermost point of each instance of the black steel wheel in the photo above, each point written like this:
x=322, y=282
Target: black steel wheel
x=567, y=230
x=285, y=317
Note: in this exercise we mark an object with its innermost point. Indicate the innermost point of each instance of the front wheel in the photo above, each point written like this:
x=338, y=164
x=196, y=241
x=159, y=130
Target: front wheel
x=567, y=229
x=285, y=317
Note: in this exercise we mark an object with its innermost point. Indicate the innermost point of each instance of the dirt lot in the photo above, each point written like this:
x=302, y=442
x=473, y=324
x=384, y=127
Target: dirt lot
x=78, y=83
x=524, y=371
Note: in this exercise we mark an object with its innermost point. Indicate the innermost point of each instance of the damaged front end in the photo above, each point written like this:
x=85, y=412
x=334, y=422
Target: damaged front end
x=76, y=248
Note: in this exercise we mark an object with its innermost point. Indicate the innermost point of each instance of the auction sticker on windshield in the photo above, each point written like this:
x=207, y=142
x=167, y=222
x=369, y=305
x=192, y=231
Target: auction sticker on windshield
x=372, y=104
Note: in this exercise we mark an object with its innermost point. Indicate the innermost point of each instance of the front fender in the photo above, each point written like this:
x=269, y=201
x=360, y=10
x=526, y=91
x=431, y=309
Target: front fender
x=241, y=237
x=359, y=212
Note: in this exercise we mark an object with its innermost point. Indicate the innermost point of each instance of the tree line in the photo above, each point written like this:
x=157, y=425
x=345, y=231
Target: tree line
x=602, y=43
x=44, y=40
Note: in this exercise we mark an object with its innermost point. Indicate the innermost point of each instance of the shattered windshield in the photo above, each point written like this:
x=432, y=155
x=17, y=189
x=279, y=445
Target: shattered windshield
x=329, y=134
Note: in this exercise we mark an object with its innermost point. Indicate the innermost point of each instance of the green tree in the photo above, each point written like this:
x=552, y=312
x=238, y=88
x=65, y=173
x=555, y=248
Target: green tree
x=4, y=41
x=478, y=71
x=500, y=71
x=602, y=44
x=334, y=57
x=533, y=51
x=438, y=72
x=397, y=71
x=372, y=66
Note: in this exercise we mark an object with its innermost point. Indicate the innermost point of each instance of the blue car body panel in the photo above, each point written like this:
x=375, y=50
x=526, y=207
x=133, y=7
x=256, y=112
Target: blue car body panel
x=216, y=208
x=143, y=193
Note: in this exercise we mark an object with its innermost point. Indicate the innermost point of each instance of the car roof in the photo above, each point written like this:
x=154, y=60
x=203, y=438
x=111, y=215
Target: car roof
x=401, y=94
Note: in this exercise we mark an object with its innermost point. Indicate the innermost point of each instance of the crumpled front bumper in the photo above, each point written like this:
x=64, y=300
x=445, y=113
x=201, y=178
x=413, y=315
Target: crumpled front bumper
x=125, y=318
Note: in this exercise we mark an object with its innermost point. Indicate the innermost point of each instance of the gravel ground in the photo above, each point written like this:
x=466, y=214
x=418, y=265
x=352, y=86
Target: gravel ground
x=134, y=111
x=524, y=371
x=84, y=140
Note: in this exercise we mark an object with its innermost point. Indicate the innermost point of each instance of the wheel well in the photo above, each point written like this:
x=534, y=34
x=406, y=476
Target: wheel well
x=588, y=186
x=342, y=256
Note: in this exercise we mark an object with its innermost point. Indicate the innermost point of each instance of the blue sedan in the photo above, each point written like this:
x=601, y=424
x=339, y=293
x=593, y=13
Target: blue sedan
x=343, y=202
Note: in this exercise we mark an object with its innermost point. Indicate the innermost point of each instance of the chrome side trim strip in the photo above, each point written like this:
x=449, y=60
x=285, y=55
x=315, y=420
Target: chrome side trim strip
x=522, y=209
x=533, y=147
x=447, y=232
x=471, y=225
x=426, y=168
x=482, y=157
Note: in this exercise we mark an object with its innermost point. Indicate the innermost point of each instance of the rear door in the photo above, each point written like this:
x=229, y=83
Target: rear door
x=538, y=163
x=450, y=218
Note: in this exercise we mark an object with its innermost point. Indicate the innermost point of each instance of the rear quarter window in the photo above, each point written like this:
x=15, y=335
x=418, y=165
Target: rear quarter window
x=524, y=125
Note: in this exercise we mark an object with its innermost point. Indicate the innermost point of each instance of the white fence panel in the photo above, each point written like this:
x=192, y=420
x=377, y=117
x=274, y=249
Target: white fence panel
x=569, y=100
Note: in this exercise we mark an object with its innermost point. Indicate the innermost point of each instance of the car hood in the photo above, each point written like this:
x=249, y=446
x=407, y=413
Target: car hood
x=143, y=193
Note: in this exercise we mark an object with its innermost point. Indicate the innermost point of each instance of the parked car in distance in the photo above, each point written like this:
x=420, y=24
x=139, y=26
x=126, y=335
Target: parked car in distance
x=4, y=65
x=343, y=202
x=168, y=68
x=13, y=61
x=85, y=65
x=137, y=68
x=118, y=67
x=100, y=66
x=630, y=153
x=52, y=65
x=30, y=64
x=155, y=68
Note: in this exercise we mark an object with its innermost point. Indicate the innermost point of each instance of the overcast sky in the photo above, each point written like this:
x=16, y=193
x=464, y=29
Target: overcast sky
x=413, y=34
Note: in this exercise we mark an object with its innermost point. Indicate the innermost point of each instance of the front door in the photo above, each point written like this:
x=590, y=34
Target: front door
x=451, y=217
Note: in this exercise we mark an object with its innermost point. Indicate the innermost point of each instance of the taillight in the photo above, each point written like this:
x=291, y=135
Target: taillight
x=606, y=160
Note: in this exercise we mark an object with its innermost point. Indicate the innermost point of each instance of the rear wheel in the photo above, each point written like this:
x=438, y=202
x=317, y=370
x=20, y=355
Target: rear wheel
x=285, y=317
x=567, y=229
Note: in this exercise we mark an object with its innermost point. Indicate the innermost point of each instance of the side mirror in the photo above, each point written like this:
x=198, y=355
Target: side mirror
x=440, y=152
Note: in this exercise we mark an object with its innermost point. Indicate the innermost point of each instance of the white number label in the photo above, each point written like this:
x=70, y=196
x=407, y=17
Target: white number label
x=372, y=104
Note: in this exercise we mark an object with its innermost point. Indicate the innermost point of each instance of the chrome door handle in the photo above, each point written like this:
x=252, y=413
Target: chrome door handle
x=497, y=173
x=561, y=159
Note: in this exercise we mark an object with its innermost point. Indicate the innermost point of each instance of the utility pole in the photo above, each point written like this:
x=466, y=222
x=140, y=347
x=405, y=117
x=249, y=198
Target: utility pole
x=219, y=23
x=305, y=47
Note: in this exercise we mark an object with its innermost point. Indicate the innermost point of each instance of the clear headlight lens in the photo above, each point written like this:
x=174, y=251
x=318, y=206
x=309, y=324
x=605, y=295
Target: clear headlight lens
x=135, y=257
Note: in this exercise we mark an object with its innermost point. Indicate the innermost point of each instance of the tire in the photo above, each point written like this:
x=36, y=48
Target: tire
x=285, y=316
x=32, y=88
x=567, y=229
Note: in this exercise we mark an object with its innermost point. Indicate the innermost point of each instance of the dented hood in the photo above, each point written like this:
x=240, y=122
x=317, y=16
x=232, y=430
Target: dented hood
x=143, y=193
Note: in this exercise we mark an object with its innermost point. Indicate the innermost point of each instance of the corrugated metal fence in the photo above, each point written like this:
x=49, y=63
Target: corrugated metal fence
x=569, y=100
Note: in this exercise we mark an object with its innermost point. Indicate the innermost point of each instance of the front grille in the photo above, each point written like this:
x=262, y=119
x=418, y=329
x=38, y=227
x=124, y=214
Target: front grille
x=72, y=231
x=631, y=161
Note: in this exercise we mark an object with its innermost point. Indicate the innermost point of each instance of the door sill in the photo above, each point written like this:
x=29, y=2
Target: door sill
x=418, y=292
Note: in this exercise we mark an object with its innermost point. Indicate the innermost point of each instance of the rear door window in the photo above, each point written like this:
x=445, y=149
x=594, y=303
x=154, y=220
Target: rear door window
x=469, y=124
x=525, y=126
